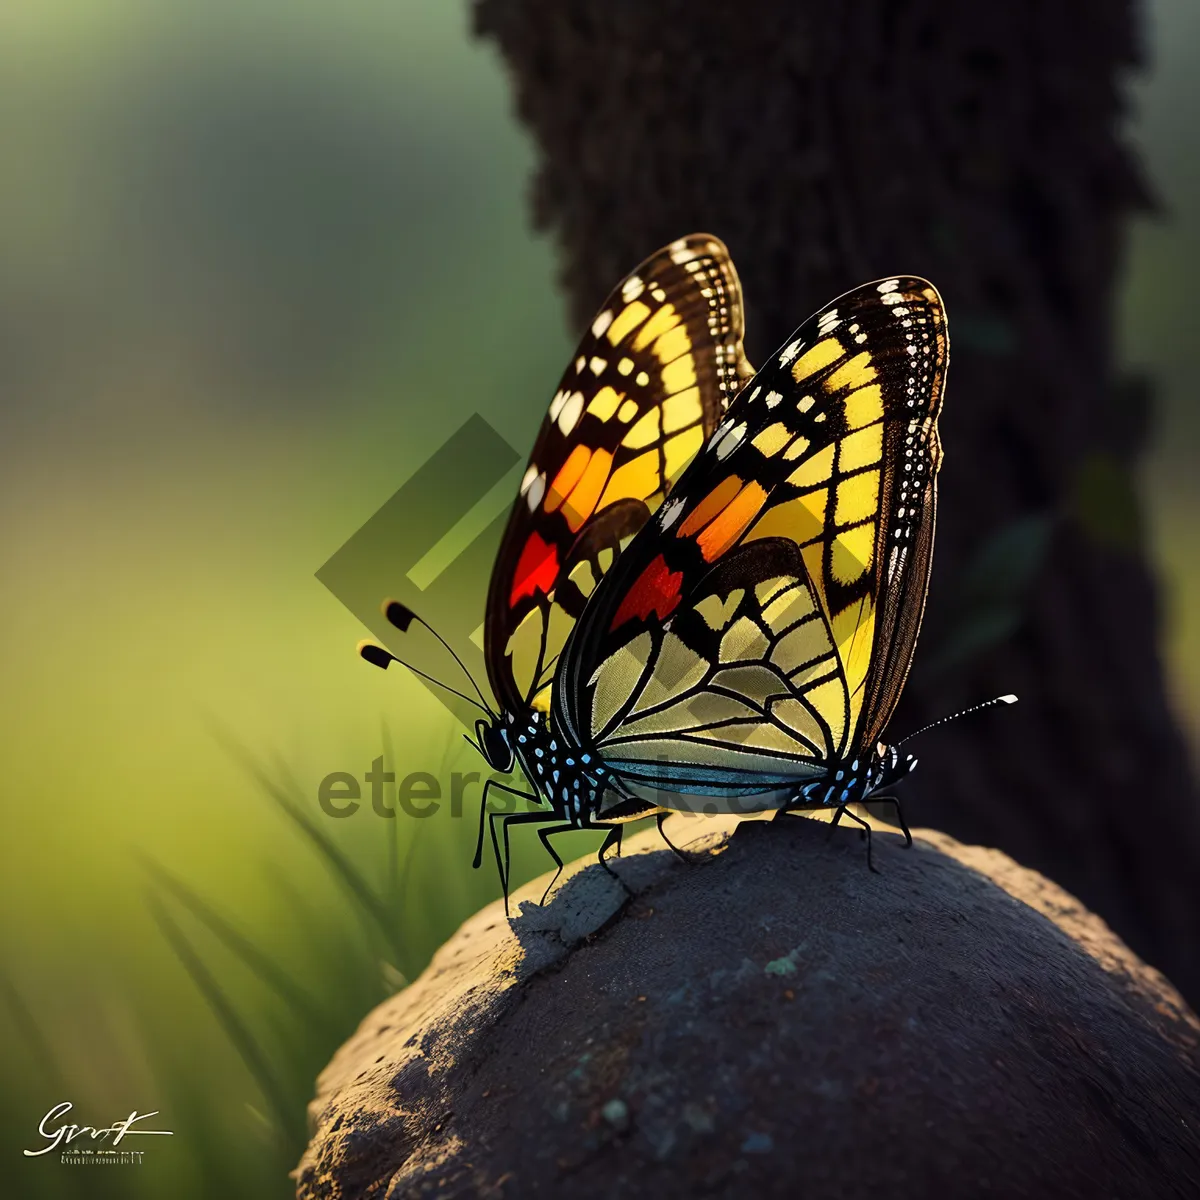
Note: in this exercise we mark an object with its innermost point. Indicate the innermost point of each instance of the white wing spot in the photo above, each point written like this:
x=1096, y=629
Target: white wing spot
x=601, y=323
x=571, y=412
x=718, y=433
x=670, y=513
x=773, y=398
x=790, y=352
x=730, y=441
x=530, y=475
x=536, y=491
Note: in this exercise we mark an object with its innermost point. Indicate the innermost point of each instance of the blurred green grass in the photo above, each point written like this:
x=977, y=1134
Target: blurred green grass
x=257, y=261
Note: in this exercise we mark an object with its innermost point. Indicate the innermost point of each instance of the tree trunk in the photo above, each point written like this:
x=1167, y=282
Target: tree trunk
x=977, y=145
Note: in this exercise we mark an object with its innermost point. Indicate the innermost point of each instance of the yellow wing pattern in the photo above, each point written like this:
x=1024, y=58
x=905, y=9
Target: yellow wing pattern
x=760, y=628
x=646, y=387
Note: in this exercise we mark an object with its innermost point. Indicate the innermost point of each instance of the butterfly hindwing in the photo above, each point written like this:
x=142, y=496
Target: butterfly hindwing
x=761, y=627
x=648, y=384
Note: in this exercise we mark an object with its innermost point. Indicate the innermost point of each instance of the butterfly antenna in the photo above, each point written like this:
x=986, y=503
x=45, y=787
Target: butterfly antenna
x=377, y=656
x=401, y=616
x=1009, y=699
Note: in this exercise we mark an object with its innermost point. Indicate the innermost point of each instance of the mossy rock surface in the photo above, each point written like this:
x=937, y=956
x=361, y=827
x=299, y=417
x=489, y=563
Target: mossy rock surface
x=772, y=1020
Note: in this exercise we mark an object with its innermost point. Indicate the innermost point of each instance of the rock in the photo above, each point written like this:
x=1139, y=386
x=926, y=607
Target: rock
x=772, y=1020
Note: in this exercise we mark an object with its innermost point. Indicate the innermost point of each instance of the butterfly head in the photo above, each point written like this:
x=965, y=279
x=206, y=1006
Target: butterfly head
x=491, y=737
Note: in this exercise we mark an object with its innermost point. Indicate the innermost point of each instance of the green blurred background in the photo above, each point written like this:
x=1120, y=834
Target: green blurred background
x=258, y=260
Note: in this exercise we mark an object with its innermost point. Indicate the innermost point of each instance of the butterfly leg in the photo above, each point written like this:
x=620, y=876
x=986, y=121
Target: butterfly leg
x=501, y=787
x=615, y=834
x=504, y=817
x=867, y=831
x=500, y=859
x=544, y=836
x=509, y=819
x=662, y=833
x=613, y=839
x=895, y=803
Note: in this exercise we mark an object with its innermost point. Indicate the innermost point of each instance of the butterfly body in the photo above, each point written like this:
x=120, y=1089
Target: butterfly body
x=566, y=779
x=561, y=778
x=573, y=791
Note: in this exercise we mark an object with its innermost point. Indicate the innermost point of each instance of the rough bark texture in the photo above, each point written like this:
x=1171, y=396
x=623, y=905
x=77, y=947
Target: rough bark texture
x=976, y=144
x=773, y=1020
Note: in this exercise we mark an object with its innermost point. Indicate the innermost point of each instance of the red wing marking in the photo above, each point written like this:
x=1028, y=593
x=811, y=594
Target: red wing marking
x=656, y=592
x=537, y=569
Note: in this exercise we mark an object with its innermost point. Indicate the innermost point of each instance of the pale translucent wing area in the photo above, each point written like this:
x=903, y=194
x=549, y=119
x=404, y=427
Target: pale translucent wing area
x=740, y=694
x=761, y=627
x=647, y=385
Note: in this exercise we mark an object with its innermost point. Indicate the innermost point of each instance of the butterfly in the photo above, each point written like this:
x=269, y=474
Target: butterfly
x=646, y=388
x=748, y=641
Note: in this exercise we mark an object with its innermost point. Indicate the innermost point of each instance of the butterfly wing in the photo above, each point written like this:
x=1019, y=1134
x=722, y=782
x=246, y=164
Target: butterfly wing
x=647, y=386
x=761, y=626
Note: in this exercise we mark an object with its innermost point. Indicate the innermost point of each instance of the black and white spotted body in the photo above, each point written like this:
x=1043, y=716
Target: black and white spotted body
x=574, y=790
x=570, y=782
x=855, y=781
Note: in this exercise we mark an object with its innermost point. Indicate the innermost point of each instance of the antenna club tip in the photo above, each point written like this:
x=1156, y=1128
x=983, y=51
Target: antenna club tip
x=398, y=614
x=1009, y=699
x=377, y=656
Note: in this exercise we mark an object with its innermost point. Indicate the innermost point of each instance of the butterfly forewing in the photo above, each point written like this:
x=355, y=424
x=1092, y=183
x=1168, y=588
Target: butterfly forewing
x=761, y=626
x=648, y=384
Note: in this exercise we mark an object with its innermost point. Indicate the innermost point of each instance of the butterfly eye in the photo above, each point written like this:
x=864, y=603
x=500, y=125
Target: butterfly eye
x=495, y=746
